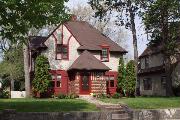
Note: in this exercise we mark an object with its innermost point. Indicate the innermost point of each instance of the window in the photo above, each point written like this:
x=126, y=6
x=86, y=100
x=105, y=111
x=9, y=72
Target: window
x=62, y=50
x=147, y=84
x=105, y=55
x=163, y=82
x=110, y=80
x=146, y=62
x=111, y=83
x=56, y=81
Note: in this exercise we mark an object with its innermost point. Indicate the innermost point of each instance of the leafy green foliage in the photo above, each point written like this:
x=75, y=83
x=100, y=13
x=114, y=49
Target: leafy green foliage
x=121, y=74
x=162, y=19
x=126, y=77
x=18, y=17
x=4, y=94
x=42, y=75
x=12, y=66
x=130, y=78
x=116, y=95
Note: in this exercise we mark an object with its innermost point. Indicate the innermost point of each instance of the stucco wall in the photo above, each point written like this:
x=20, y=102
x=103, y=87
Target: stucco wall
x=51, y=55
x=73, y=53
x=113, y=59
x=157, y=88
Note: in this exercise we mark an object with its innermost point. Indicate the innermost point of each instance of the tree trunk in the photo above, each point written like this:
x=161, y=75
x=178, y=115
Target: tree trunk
x=165, y=42
x=133, y=29
x=26, y=70
x=168, y=71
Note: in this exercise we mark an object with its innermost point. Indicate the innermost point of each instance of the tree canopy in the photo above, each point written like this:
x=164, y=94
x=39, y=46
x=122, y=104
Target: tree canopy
x=162, y=19
x=18, y=17
x=12, y=66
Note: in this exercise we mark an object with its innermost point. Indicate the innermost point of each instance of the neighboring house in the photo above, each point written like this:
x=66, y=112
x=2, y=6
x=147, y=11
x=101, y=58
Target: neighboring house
x=151, y=73
x=82, y=60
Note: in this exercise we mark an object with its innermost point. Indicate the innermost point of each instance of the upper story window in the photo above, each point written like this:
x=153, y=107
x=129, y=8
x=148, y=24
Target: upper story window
x=146, y=62
x=105, y=55
x=62, y=51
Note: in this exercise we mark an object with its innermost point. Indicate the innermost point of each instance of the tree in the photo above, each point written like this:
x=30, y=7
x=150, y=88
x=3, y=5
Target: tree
x=161, y=20
x=127, y=10
x=19, y=17
x=12, y=64
x=121, y=75
x=130, y=78
x=42, y=76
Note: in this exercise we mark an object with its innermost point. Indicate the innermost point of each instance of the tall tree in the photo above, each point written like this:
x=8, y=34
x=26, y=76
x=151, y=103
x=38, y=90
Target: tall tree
x=162, y=19
x=42, y=75
x=19, y=17
x=130, y=78
x=127, y=10
x=12, y=64
x=121, y=75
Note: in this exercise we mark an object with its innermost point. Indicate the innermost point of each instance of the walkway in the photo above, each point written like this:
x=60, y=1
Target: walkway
x=101, y=105
x=118, y=111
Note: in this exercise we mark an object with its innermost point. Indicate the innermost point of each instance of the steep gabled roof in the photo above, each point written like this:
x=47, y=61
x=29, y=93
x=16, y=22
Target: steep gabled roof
x=86, y=61
x=151, y=50
x=90, y=38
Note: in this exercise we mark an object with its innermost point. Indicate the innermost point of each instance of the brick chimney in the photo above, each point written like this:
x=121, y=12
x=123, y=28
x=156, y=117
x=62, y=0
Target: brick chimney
x=73, y=17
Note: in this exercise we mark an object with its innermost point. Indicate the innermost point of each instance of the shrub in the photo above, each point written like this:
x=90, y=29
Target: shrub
x=61, y=96
x=102, y=95
x=69, y=96
x=42, y=77
x=116, y=95
x=94, y=95
x=4, y=94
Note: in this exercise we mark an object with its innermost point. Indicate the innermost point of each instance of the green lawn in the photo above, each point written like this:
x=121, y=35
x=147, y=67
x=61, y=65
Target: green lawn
x=46, y=105
x=147, y=102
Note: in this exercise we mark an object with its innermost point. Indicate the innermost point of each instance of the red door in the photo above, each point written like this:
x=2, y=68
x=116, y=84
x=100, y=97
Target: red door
x=85, y=85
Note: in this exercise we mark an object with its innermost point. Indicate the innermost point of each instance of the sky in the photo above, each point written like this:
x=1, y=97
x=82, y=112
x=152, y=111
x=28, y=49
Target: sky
x=142, y=38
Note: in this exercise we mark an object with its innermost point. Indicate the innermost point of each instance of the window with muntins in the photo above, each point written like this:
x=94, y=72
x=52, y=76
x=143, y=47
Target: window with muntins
x=56, y=81
x=105, y=55
x=147, y=84
x=62, y=50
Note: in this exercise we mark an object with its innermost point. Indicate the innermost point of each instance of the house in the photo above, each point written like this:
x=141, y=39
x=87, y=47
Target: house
x=151, y=73
x=82, y=60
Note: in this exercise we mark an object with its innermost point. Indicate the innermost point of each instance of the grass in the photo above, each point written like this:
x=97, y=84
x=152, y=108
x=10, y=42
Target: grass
x=46, y=105
x=147, y=102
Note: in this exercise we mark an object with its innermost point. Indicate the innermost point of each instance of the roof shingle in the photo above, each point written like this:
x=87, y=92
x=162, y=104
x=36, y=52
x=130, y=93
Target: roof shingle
x=90, y=38
x=86, y=61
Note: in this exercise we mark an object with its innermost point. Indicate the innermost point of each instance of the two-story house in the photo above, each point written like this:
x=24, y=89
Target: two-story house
x=151, y=73
x=82, y=60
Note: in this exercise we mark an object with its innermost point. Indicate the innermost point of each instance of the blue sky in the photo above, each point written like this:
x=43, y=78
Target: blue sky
x=142, y=38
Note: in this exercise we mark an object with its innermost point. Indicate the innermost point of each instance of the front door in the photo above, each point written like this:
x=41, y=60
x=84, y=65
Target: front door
x=85, y=83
